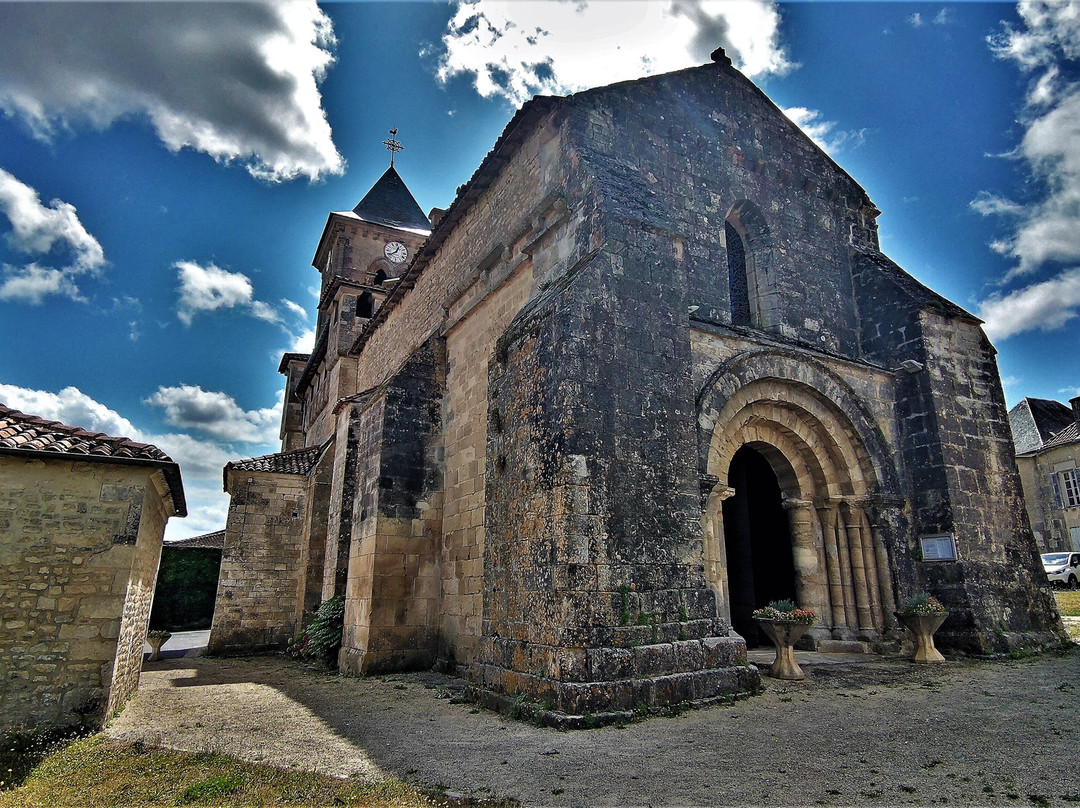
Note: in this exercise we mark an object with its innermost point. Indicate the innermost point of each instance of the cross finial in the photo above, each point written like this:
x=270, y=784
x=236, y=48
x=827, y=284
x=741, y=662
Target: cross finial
x=393, y=144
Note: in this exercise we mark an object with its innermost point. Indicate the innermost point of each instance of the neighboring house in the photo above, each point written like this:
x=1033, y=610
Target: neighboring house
x=1047, y=438
x=81, y=521
x=648, y=372
x=187, y=583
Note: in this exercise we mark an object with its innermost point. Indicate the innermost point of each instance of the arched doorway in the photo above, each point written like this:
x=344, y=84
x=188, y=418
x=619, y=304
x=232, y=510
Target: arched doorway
x=757, y=537
x=792, y=479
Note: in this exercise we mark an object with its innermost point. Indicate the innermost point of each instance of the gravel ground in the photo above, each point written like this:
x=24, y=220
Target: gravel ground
x=871, y=732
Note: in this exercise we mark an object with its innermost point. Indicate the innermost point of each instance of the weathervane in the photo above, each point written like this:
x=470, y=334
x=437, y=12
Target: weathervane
x=393, y=144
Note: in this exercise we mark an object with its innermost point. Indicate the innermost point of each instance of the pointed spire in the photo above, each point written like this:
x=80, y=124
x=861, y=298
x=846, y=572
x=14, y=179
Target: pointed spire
x=389, y=202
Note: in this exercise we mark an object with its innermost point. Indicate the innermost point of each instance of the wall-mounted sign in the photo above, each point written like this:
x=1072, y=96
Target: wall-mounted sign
x=940, y=547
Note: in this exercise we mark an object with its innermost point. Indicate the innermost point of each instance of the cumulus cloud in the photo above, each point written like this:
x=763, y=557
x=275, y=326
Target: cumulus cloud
x=216, y=414
x=237, y=81
x=520, y=48
x=822, y=132
x=211, y=288
x=201, y=460
x=304, y=343
x=1043, y=306
x=50, y=233
x=1042, y=235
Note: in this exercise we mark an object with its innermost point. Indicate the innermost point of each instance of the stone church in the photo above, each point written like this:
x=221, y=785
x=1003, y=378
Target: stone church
x=648, y=372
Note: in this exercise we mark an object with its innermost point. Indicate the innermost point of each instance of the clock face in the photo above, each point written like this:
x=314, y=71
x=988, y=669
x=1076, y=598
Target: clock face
x=396, y=252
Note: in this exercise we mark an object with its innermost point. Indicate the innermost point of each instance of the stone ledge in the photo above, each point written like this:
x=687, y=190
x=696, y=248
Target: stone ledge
x=612, y=695
x=678, y=691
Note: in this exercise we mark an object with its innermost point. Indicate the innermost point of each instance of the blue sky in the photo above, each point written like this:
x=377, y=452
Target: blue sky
x=166, y=171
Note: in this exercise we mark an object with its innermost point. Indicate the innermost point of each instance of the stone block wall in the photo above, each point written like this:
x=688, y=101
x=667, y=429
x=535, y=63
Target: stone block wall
x=960, y=474
x=1056, y=524
x=683, y=151
x=257, y=603
x=79, y=550
x=997, y=585
x=393, y=595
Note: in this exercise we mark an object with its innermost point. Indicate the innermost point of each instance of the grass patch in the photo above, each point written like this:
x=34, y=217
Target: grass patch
x=1068, y=603
x=97, y=773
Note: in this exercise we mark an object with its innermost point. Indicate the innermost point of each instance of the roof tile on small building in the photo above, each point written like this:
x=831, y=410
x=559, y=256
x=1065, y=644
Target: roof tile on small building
x=299, y=461
x=211, y=541
x=28, y=432
x=1070, y=434
x=21, y=433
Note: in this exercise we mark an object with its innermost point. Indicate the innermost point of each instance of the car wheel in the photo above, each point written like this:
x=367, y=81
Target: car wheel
x=1072, y=582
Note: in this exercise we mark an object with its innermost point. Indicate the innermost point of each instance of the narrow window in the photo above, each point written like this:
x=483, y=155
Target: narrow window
x=380, y=276
x=365, y=305
x=1070, y=488
x=737, y=283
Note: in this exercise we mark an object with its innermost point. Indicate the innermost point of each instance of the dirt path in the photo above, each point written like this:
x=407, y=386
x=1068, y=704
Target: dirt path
x=876, y=733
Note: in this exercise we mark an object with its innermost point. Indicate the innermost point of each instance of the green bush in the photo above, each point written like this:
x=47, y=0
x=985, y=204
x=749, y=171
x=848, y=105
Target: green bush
x=321, y=640
x=186, y=589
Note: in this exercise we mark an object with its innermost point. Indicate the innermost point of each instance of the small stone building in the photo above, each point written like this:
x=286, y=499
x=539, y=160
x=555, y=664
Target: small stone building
x=648, y=372
x=82, y=516
x=1047, y=438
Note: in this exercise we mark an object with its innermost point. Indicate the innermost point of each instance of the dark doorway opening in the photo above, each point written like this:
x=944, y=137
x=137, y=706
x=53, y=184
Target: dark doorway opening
x=760, y=565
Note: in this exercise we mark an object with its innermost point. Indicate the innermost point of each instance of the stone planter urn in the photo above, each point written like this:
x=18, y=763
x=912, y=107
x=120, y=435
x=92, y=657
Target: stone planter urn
x=156, y=640
x=923, y=626
x=784, y=634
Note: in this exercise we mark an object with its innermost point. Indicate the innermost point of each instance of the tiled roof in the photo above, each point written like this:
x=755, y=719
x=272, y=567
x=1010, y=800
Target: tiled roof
x=1070, y=434
x=389, y=202
x=1038, y=423
x=212, y=541
x=298, y=461
x=22, y=433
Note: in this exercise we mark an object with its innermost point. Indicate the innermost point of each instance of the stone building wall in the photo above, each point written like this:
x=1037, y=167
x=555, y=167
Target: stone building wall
x=79, y=549
x=394, y=590
x=513, y=237
x=1060, y=526
x=261, y=574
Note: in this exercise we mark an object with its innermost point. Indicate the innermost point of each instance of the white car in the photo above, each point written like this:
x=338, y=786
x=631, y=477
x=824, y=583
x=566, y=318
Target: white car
x=1062, y=569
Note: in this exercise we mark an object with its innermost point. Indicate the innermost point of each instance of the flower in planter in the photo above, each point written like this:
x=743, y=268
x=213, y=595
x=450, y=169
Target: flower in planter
x=158, y=633
x=922, y=603
x=784, y=611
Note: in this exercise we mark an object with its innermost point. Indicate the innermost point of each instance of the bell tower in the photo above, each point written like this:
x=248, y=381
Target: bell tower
x=361, y=254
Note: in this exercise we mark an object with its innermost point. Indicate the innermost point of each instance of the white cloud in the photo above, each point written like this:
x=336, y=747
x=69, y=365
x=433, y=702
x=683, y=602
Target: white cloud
x=201, y=460
x=1043, y=235
x=304, y=342
x=821, y=131
x=916, y=20
x=1044, y=306
x=295, y=308
x=70, y=406
x=944, y=17
x=237, y=81
x=519, y=48
x=210, y=288
x=49, y=232
x=216, y=414
x=1048, y=229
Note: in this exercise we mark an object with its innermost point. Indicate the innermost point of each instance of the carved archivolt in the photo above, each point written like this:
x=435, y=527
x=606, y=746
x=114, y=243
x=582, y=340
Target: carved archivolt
x=828, y=479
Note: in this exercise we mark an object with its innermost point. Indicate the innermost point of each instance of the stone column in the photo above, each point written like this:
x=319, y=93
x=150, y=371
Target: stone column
x=712, y=527
x=811, y=578
x=852, y=517
x=839, y=571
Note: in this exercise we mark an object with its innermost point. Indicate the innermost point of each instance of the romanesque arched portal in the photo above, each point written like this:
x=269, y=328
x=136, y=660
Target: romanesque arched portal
x=809, y=429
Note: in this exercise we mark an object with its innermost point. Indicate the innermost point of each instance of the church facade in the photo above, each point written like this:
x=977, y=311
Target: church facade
x=648, y=372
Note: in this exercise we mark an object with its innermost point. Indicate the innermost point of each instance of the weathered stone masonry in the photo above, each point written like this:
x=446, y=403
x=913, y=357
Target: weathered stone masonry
x=649, y=371
x=81, y=521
